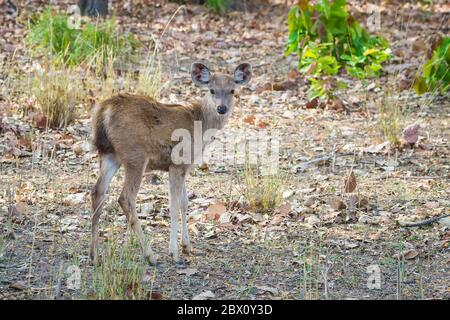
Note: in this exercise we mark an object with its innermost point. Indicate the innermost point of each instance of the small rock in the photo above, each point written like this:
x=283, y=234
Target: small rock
x=271, y=290
x=287, y=194
x=74, y=199
x=225, y=218
x=363, y=219
x=312, y=220
x=310, y=201
x=147, y=208
x=351, y=245
x=445, y=221
x=81, y=147
x=188, y=271
x=206, y=295
x=288, y=114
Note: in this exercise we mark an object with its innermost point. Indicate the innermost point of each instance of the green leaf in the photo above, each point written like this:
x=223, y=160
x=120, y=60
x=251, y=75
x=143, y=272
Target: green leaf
x=420, y=85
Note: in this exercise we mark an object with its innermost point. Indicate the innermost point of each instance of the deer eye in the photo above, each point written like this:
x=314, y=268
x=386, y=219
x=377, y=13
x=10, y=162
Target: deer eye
x=212, y=91
x=232, y=91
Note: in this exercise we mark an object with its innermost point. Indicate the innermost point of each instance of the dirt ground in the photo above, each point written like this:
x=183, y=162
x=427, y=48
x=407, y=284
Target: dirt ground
x=310, y=248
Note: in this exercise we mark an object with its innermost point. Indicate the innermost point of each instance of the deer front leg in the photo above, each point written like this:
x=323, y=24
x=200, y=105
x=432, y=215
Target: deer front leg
x=185, y=240
x=176, y=181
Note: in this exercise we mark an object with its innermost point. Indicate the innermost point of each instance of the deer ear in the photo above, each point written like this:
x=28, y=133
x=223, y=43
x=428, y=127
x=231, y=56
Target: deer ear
x=200, y=74
x=243, y=73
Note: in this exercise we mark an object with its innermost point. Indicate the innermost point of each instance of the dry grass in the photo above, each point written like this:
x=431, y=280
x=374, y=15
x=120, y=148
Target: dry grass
x=57, y=92
x=111, y=78
x=262, y=192
x=11, y=78
x=389, y=121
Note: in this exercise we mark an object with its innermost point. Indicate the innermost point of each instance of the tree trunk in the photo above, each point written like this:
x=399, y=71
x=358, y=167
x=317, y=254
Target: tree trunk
x=93, y=8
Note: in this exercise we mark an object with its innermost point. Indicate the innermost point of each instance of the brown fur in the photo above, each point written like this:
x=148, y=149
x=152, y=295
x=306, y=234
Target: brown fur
x=152, y=125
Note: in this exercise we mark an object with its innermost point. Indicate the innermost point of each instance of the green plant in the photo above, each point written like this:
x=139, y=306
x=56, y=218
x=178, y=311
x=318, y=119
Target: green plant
x=327, y=39
x=52, y=34
x=56, y=94
x=435, y=75
x=119, y=276
x=310, y=258
x=218, y=6
x=324, y=88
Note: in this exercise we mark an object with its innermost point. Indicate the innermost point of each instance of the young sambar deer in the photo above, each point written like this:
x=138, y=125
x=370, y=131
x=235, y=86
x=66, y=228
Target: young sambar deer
x=135, y=132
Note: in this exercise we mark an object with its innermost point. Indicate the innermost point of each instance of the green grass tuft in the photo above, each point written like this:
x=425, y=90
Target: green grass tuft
x=51, y=34
x=218, y=6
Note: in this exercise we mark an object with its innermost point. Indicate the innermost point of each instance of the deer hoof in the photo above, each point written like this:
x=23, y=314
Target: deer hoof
x=186, y=248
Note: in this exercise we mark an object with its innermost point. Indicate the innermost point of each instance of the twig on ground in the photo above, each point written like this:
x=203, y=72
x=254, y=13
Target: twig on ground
x=320, y=159
x=423, y=222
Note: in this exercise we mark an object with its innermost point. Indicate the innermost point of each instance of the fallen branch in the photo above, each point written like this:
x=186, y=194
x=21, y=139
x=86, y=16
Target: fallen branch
x=319, y=160
x=423, y=222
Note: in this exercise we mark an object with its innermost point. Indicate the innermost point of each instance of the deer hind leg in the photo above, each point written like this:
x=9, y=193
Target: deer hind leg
x=186, y=246
x=176, y=182
x=108, y=168
x=127, y=200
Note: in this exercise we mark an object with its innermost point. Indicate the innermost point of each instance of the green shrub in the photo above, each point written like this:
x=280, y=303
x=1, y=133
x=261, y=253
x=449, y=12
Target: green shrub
x=436, y=75
x=51, y=34
x=326, y=39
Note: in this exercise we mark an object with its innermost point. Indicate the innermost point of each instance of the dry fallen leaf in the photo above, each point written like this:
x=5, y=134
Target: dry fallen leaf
x=284, y=209
x=350, y=182
x=18, y=285
x=155, y=295
x=357, y=201
x=214, y=211
x=407, y=255
x=188, y=271
x=419, y=45
x=411, y=133
x=74, y=199
x=19, y=212
x=281, y=213
x=250, y=119
x=40, y=121
x=312, y=104
x=376, y=148
x=337, y=204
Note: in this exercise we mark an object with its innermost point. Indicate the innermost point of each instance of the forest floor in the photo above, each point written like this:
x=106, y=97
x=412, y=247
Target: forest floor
x=308, y=248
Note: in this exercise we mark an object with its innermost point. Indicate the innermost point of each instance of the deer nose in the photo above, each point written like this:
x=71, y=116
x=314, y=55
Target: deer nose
x=222, y=109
